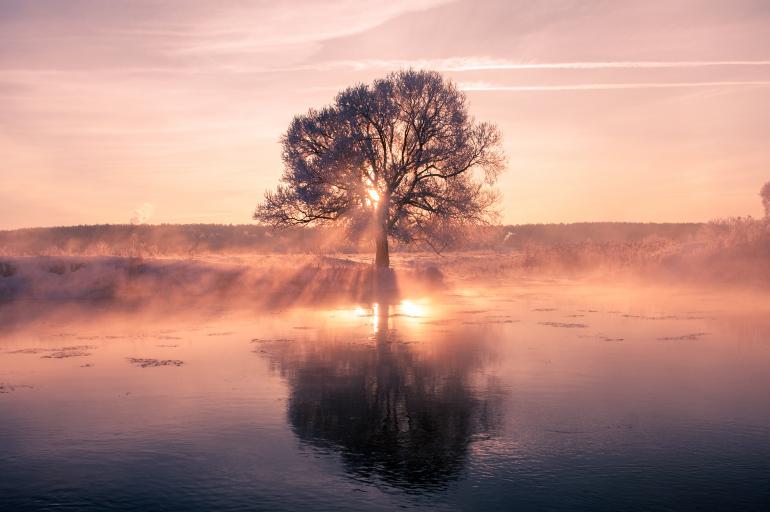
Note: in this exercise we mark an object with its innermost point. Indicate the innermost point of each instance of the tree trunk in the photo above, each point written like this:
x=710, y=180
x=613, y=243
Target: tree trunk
x=382, y=255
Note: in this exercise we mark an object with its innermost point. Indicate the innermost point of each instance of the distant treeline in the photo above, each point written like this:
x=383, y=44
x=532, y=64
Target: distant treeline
x=191, y=239
x=725, y=251
x=520, y=236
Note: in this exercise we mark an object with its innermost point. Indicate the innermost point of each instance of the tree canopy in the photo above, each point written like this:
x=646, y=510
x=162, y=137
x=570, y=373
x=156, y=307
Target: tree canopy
x=400, y=157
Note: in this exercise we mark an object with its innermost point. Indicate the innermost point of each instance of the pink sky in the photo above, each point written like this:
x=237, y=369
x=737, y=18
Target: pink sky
x=171, y=111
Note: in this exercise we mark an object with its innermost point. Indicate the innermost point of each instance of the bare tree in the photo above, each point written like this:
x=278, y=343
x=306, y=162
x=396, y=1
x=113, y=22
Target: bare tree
x=765, y=195
x=398, y=158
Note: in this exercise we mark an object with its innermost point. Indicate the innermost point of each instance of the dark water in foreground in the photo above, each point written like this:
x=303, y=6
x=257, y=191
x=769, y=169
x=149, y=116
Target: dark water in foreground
x=539, y=397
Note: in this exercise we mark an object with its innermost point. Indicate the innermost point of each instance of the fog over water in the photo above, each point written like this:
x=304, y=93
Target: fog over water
x=464, y=394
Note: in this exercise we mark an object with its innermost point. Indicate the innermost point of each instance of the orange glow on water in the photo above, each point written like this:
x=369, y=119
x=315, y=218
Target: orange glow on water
x=412, y=308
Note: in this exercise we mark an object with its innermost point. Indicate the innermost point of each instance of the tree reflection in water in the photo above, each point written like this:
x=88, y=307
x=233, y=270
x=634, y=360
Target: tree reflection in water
x=395, y=414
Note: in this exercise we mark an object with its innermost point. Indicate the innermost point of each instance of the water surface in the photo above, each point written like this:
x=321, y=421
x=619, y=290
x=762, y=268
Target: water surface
x=537, y=395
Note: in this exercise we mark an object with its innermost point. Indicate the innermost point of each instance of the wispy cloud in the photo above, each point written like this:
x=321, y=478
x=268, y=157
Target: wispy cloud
x=284, y=24
x=452, y=64
x=459, y=64
x=485, y=86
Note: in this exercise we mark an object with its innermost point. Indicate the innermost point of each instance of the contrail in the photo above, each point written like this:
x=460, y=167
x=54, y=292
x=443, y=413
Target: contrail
x=454, y=64
x=477, y=86
x=459, y=64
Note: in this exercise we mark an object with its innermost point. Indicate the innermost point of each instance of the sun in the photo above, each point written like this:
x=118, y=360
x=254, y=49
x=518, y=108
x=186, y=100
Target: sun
x=373, y=197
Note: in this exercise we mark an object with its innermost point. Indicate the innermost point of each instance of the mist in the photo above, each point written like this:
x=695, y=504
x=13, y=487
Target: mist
x=170, y=265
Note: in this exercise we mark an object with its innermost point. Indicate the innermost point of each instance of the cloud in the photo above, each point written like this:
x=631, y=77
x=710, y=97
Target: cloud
x=451, y=64
x=288, y=25
x=459, y=64
x=167, y=36
x=485, y=86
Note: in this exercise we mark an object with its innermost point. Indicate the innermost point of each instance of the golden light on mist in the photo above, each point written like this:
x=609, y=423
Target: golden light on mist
x=412, y=309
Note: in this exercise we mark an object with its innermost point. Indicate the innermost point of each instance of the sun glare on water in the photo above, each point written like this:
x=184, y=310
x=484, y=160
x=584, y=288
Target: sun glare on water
x=376, y=318
x=412, y=309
